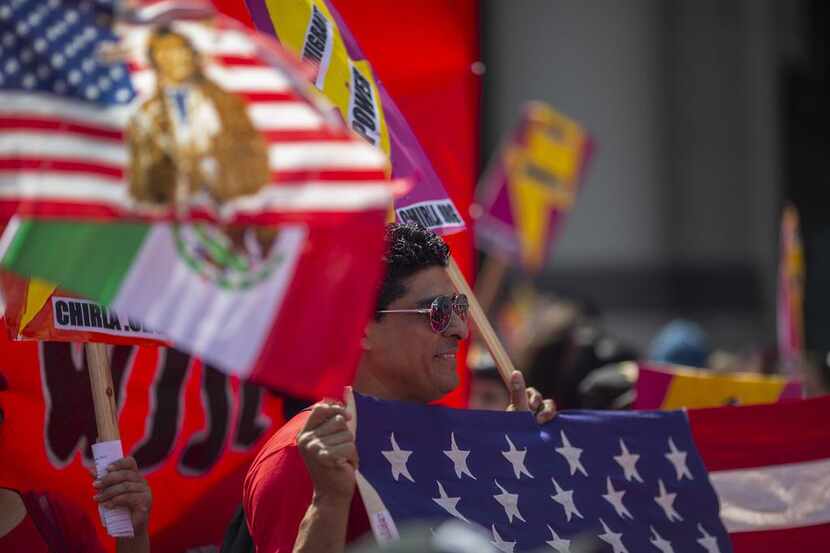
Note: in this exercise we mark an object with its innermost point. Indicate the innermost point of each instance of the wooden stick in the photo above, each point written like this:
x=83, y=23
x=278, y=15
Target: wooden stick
x=485, y=329
x=489, y=280
x=103, y=392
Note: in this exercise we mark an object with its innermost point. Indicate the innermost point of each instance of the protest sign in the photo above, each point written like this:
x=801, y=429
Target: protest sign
x=675, y=387
x=531, y=185
x=315, y=32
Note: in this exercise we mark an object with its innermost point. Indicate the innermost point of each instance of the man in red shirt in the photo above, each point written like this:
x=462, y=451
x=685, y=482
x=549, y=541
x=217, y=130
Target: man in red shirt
x=299, y=494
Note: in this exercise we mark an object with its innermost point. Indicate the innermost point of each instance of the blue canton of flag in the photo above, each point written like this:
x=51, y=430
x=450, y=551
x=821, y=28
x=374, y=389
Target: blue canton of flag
x=52, y=46
x=633, y=481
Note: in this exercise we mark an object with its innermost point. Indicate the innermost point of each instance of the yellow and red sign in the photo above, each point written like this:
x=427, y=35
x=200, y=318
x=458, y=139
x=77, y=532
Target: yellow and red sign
x=532, y=185
x=791, y=292
x=674, y=387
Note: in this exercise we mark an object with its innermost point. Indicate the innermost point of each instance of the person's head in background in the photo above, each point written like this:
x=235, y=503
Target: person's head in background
x=487, y=389
x=815, y=371
x=562, y=362
x=681, y=342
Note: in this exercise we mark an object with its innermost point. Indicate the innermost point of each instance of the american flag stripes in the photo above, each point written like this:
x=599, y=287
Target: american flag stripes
x=65, y=104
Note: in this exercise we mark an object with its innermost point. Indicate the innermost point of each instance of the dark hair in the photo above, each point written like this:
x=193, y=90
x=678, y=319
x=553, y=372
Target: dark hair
x=164, y=32
x=410, y=248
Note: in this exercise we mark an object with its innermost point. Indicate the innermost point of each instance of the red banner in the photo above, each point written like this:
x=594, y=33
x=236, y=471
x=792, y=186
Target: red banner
x=192, y=430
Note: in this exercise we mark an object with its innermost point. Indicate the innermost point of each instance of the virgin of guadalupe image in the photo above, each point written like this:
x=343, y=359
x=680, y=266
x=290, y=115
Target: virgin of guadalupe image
x=191, y=142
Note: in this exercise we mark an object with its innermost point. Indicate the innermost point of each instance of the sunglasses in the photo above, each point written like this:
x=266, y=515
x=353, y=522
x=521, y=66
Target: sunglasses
x=440, y=311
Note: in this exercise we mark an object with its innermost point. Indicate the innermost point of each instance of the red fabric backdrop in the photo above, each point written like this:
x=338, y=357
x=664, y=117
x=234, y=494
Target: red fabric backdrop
x=423, y=52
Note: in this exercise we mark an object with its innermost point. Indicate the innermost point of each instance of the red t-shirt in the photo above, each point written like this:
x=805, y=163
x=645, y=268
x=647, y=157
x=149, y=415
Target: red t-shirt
x=68, y=523
x=277, y=492
x=24, y=537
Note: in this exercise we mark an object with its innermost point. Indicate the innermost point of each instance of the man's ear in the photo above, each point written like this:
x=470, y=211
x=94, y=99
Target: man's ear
x=368, y=333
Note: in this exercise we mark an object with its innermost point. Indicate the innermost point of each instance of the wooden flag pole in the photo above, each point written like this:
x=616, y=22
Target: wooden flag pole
x=483, y=326
x=103, y=392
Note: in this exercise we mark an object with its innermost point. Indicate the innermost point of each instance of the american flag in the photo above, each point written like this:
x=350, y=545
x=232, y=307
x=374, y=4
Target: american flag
x=632, y=482
x=64, y=107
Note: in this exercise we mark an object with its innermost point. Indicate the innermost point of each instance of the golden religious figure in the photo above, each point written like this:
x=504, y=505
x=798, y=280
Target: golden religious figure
x=193, y=143
x=191, y=140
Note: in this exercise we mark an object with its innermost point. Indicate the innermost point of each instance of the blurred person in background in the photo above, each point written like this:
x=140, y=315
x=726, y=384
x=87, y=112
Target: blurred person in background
x=681, y=342
x=487, y=389
x=566, y=353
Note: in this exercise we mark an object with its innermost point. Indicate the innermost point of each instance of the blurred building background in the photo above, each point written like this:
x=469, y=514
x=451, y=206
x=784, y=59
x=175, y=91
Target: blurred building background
x=707, y=115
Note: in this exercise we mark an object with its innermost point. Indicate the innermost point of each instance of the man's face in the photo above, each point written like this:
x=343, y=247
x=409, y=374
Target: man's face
x=410, y=360
x=175, y=61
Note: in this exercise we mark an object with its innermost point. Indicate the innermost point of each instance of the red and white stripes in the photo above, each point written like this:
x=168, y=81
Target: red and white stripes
x=70, y=156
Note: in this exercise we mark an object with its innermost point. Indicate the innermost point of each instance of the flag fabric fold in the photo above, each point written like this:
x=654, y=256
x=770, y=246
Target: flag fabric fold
x=770, y=465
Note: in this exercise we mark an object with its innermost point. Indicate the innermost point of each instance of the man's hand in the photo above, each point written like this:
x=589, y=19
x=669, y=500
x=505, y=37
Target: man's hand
x=327, y=447
x=123, y=486
x=523, y=398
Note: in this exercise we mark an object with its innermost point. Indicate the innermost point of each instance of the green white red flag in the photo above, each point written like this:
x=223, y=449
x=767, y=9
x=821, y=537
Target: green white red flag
x=176, y=170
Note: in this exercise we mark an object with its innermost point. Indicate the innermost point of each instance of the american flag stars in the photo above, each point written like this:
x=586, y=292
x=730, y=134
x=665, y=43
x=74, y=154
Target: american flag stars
x=557, y=543
x=397, y=458
x=516, y=458
x=52, y=47
x=572, y=454
x=449, y=504
x=508, y=495
x=628, y=462
x=566, y=499
x=707, y=541
x=678, y=459
x=659, y=542
x=510, y=502
x=544, y=487
x=459, y=458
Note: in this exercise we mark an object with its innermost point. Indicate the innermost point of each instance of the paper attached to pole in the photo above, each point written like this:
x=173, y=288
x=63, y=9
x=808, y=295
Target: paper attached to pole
x=117, y=521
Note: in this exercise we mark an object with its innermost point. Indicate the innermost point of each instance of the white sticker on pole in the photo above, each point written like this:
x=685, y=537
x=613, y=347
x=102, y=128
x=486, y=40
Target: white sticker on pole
x=117, y=521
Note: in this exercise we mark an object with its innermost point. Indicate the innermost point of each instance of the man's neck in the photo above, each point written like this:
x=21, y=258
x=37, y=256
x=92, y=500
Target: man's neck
x=367, y=383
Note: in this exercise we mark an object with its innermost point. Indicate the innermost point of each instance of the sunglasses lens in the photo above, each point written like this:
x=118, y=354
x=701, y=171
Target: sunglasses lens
x=440, y=313
x=461, y=306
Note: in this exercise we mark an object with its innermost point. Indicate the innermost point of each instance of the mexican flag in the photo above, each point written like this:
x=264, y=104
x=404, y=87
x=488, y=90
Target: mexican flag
x=184, y=177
